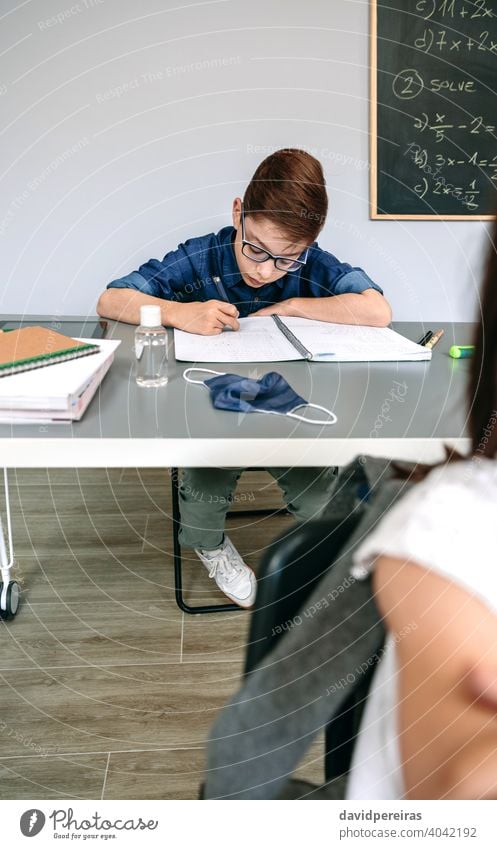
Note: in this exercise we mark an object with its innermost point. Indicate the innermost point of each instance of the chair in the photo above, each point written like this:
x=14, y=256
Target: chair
x=291, y=567
x=178, y=572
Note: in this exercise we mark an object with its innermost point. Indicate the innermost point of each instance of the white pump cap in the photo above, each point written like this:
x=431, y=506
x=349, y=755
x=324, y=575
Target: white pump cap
x=150, y=316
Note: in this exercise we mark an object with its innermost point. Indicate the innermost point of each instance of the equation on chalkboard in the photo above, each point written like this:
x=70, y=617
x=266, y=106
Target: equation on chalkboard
x=434, y=109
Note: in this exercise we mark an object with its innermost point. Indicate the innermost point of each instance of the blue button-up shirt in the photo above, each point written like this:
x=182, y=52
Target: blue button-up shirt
x=188, y=274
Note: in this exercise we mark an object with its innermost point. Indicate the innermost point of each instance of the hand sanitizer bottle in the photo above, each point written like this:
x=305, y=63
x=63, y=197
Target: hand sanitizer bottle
x=151, y=348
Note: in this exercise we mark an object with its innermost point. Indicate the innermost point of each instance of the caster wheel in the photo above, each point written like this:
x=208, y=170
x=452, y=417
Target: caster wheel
x=11, y=602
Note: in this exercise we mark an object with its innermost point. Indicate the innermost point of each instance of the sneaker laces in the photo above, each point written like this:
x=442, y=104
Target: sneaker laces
x=227, y=570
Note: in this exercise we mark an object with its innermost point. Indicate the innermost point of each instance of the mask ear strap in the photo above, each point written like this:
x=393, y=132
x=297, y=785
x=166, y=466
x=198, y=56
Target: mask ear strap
x=195, y=368
x=329, y=421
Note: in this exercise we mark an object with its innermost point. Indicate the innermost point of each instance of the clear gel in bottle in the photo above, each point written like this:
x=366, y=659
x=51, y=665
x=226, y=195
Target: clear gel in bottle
x=151, y=348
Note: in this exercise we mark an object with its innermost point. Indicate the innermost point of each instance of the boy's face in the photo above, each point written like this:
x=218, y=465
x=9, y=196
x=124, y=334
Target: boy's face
x=261, y=232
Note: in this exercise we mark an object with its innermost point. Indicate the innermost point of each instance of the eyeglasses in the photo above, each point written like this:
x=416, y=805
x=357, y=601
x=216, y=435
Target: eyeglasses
x=258, y=254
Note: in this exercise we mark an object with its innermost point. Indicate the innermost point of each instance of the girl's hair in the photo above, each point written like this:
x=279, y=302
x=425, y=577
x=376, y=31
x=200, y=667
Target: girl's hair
x=482, y=388
x=289, y=189
x=483, y=379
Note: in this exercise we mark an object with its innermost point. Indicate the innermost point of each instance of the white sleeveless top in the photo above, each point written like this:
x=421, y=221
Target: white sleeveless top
x=448, y=524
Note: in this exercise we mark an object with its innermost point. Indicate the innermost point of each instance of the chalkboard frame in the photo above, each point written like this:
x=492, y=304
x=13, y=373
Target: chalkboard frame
x=375, y=214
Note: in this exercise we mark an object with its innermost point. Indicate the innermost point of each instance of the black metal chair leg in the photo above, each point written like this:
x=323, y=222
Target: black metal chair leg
x=178, y=574
x=178, y=578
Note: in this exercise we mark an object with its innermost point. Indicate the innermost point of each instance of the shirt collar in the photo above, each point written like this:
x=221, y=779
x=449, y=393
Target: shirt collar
x=229, y=266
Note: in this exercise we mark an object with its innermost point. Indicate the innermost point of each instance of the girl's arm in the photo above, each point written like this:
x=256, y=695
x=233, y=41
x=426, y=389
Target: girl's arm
x=447, y=729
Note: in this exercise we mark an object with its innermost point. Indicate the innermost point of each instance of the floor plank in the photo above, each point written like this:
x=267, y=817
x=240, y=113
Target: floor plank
x=113, y=708
x=92, y=633
x=171, y=774
x=77, y=777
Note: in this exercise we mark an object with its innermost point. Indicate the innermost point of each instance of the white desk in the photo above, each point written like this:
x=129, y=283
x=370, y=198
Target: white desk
x=177, y=425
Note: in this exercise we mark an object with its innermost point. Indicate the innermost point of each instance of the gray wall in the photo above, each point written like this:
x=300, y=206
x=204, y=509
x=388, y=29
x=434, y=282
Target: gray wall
x=127, y=127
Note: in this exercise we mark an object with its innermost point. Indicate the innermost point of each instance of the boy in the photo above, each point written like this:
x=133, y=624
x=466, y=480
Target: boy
x=268, y=262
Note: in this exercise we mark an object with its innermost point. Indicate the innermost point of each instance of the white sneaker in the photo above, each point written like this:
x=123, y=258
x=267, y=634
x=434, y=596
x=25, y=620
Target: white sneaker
x=233, y=577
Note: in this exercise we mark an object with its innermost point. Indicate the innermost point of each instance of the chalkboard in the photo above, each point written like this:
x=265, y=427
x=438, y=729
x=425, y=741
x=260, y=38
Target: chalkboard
x=434, y=109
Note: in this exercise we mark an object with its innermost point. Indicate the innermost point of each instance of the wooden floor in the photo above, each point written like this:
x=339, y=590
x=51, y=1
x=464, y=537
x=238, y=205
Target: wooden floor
x=108, y=690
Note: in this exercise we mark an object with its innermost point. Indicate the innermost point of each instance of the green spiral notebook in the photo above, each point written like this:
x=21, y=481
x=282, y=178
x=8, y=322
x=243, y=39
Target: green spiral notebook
x=35, y=347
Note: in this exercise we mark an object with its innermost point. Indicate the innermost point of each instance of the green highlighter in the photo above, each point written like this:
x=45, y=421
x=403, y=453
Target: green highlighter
x=461, y=351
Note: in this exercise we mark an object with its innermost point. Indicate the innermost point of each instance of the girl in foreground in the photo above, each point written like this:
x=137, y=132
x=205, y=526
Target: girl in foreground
x=429, y=730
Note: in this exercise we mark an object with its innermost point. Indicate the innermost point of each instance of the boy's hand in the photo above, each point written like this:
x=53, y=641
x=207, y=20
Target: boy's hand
x=208, y=318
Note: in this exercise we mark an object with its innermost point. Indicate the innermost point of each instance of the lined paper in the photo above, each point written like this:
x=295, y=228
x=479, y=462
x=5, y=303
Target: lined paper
x=260, y=341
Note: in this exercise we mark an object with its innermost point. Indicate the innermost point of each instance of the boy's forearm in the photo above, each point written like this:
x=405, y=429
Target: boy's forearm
x=367, y=308
x=124, y=305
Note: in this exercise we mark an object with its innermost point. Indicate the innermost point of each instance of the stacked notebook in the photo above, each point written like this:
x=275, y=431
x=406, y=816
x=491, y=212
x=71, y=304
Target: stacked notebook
x=35, y=347
x=47, y=377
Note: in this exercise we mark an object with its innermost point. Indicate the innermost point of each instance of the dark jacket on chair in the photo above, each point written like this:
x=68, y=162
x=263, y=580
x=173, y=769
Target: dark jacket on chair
x=323, y=656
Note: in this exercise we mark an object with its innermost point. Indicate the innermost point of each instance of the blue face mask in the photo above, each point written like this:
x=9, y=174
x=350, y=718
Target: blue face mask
x=270, y=394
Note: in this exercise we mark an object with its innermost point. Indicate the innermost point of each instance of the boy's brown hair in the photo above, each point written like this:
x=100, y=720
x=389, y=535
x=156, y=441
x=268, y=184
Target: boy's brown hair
x=289, y=189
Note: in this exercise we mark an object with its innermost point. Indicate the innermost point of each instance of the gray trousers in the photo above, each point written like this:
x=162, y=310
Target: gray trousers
x=206, y=495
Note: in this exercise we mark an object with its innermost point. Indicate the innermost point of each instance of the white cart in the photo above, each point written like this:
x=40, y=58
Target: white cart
x=9, y=590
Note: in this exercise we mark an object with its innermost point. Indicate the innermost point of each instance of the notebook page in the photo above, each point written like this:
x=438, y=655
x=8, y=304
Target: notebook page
x=257, y=341
x=353, y=343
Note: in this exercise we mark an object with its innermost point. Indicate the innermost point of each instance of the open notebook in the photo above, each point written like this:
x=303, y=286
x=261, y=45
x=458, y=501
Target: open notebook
x=270, y=339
